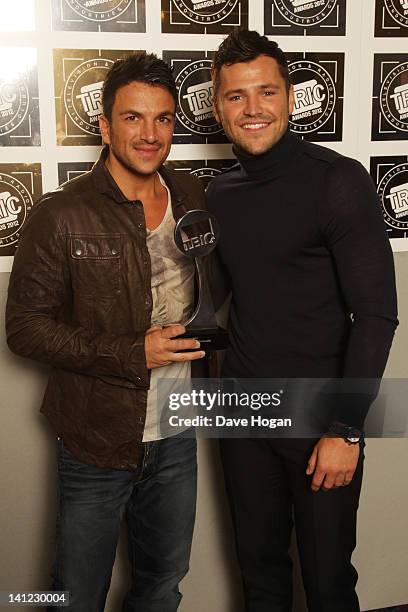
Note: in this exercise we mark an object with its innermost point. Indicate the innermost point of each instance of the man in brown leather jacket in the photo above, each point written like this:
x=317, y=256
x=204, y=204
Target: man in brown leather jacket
x=97, y=291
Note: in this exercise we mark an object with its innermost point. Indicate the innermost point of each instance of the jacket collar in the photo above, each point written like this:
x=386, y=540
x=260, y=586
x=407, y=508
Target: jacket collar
x=103, y=180
x=106, y=185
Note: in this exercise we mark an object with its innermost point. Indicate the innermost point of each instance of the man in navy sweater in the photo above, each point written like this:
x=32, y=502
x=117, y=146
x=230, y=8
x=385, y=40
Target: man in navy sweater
x=311, y=271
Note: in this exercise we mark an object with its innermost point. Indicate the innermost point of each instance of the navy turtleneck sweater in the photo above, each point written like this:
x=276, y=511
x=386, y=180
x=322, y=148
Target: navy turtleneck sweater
x=309, y=264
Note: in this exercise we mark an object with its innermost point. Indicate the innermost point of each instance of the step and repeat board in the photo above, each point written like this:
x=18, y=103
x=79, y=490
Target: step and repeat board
x=348, y=60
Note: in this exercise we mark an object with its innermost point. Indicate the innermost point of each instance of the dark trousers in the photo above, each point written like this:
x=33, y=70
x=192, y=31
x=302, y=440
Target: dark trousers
x=267, y=487
x=159, y=500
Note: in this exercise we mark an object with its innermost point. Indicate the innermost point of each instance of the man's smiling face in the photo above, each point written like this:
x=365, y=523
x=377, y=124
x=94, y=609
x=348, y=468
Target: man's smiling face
x=140, y=130
x=253, y=104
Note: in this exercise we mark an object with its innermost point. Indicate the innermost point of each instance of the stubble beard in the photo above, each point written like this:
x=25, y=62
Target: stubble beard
x=248, y=148
x=132, y=168
x=241, y=144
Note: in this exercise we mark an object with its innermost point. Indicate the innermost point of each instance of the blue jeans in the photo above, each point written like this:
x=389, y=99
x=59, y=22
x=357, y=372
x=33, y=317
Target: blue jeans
x=159, y=500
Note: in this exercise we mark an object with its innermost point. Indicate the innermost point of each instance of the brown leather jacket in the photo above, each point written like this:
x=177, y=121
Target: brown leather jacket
x=80, y=300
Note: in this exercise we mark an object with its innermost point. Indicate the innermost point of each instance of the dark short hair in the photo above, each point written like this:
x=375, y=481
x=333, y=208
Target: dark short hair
x=244, y=46
x=141, y=67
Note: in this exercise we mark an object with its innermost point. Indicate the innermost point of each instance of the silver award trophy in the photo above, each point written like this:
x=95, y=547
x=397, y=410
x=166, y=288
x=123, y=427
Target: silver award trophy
x=196, y=235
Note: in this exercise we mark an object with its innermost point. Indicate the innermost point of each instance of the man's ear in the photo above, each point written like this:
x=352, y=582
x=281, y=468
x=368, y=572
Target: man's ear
x=105, y=129
x=291, y=99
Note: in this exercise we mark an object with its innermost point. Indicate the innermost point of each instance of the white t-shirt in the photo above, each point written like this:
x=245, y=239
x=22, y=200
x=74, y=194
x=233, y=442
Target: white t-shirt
x=173, y=293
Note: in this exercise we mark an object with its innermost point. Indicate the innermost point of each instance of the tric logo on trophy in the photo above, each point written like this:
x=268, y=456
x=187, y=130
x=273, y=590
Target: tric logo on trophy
x=201, y=239
x=196, y=235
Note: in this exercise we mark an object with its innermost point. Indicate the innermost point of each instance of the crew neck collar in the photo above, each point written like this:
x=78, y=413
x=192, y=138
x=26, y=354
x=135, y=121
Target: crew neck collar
x=274, y=161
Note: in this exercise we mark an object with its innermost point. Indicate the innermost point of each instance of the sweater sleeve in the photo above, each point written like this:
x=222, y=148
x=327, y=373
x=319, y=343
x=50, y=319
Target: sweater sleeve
x=355, y=235
x=220, y=280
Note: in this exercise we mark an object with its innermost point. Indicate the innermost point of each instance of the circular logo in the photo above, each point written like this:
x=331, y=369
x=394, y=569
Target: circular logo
x=393, y=193
x=394, y=97
x=14, y=102
x=195, y=92
x=305, y=12
x=15, y=203
x=398, y=9
x=205, y=12
x=206, y=175
x=99, y=10
x=196, y=233
x=83, y=93
x=315, y=96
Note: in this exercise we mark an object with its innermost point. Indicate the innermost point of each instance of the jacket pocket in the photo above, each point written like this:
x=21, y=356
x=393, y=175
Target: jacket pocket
x=96, y=264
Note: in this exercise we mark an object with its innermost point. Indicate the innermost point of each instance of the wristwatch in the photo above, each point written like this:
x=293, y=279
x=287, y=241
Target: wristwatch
x=351, y=435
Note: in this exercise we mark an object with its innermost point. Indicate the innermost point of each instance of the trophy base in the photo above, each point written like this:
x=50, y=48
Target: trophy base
x=210, y=338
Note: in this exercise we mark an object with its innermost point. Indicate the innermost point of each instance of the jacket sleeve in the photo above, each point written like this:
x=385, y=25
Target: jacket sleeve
x=355, y=234
x=40, y=292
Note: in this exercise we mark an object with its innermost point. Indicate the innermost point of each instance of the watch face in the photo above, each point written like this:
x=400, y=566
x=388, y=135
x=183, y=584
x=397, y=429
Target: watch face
x=354, y=436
